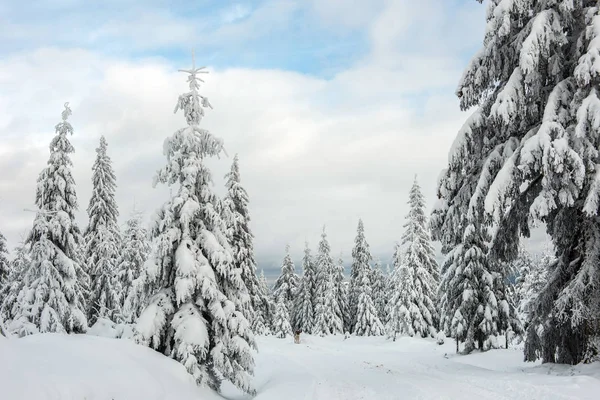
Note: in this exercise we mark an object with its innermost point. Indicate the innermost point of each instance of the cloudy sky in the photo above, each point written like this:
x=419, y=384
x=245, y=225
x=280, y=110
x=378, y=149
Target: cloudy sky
x=332, y=105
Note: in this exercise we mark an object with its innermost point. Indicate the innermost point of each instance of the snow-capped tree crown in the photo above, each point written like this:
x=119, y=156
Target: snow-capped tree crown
x=102, y=208
x=102, y=239
x=195, y=314
x=52, y=296
x=287, y=283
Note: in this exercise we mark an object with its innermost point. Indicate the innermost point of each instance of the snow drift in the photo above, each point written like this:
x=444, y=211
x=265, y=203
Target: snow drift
x=61, y=367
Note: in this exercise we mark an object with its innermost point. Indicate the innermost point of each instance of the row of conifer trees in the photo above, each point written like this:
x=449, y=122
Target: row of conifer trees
x=323, y=302
x=186, y=287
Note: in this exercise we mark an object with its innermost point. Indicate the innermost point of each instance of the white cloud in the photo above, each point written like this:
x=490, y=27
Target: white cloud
x=304, y=163
x=313, y=151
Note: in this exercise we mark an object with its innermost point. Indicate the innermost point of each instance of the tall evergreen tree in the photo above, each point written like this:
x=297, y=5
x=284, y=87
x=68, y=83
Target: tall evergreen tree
x=305, y=307
x=419, y=258
x=341, y=292
x=361, y=258
x=367, y=322
x=529, y=152
x=130, y=263
x=328, y=321
x=328, y=314
x=242, y=245
x=401, y=308
x=267, y=311
x=470, y=307
x=379, y=286
x=15, y=282
x=102, y=240
x=4, y=264
x=281, y=321
x=531, y=285
x=194, y=314
x=518, y=270
x=533, y=278
x=52, y=298
x=286, y=285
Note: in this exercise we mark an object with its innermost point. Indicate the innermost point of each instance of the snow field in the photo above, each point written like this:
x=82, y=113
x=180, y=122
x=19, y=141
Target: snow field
x=331, y=368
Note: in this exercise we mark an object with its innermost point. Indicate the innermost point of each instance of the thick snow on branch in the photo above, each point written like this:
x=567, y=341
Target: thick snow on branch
x=510, y=100
x=592, y=200
x=546, y=32
x=589, y=63
x=459, y=148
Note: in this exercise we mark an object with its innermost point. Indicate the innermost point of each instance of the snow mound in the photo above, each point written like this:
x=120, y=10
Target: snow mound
x=56, y=366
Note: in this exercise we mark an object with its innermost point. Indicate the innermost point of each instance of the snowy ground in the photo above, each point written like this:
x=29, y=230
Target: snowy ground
x=332, y=368
x=85, y=367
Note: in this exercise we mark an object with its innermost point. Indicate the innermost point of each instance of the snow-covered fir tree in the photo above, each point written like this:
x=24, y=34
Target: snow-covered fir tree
x=281, y=320
x=102, y=240
x=328, y=313
x=287, y=284
x=4, y=264
x=530, y=287
x=533, y=278
x=262, y=317
x=367, y=321
x=305, y=307
x=529, y=152
x=267, y=310
x=401, y=308
x=133, y=254
x=327, y=320
x=419, y=258
x=361, y=258
x=469, y=305
x=52, y=298
x=14, y=283
x=194, y=314
x=243, y=247
x=379, y=286
x=341, y=291
x=518, y=269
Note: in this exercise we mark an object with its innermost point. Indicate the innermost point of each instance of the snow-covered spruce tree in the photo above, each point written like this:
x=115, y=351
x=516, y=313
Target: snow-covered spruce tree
x=328, y=313
x=194, y=313
x=305, y=309
x=361, y=258
x=133, y=254
x=327, y=320
x=14, y=283
x=281, y=320
x=102, y=240
x=419, y=257
x=379, y=286
x=518, y=269
x=52, y=298
x=268, y=308
x=533, y=279
x=243, y=247
x=401, y=307
x=367, y=322
x=530, y=150
x=341, y=291
x=531, y=285
x=4, y=264
x=287, y=284
x=469, y=304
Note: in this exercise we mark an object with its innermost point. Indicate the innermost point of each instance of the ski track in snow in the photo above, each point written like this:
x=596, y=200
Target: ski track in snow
x=332, y=368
